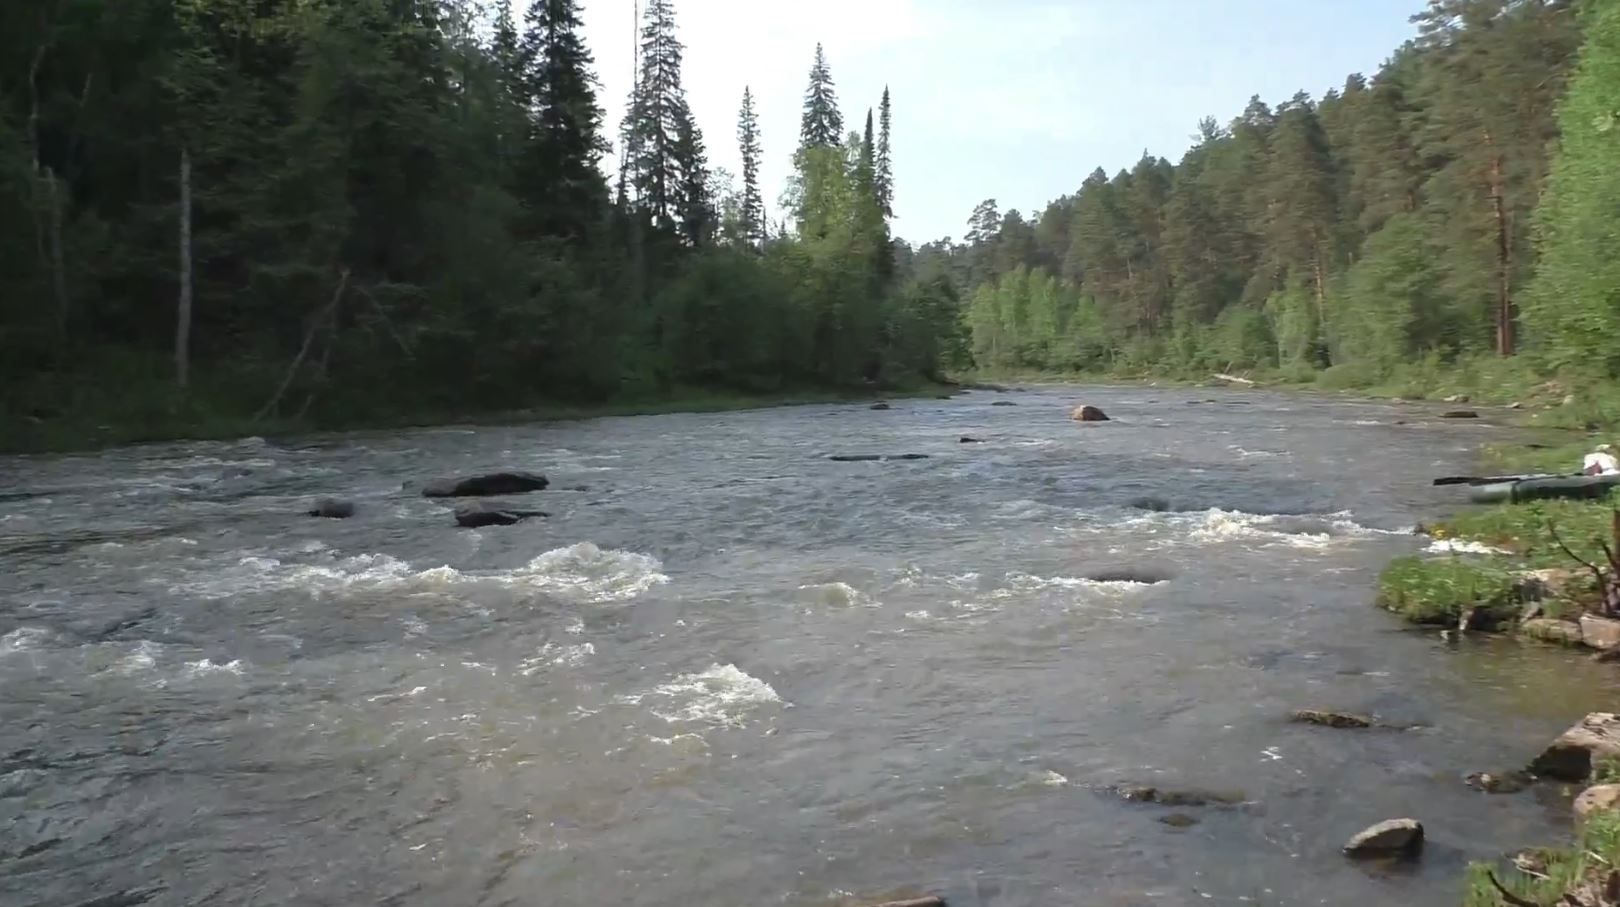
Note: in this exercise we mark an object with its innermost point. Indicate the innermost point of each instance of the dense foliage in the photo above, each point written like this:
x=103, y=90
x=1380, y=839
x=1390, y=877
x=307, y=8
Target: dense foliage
x=339, y=210
x=347, y=210
x=1385, y=224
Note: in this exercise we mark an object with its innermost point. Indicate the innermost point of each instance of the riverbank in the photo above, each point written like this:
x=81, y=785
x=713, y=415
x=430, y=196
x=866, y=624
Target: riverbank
x=1518, y=569
x=32, y=434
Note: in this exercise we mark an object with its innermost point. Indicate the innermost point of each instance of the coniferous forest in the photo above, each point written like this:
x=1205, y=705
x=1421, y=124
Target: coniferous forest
x=336, y=212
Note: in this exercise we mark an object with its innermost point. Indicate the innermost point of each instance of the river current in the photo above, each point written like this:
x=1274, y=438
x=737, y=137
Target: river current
x=729, y=671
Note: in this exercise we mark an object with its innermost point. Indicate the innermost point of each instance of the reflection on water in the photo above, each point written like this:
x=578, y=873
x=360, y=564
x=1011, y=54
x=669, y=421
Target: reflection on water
x=731, y=671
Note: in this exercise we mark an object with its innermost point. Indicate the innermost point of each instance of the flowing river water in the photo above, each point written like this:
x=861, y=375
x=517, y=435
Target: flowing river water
x=728, y=671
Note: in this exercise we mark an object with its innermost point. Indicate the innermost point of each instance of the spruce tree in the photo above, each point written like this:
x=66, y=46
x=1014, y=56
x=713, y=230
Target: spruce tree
x=885, y=165
x=866, y=172
x=823, y=124
x=563, y=188
x=653, y=123
x=748, y=141
x=696, y=204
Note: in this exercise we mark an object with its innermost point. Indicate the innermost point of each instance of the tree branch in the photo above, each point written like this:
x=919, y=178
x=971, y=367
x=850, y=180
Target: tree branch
x=1509, y=896
x=309, y=338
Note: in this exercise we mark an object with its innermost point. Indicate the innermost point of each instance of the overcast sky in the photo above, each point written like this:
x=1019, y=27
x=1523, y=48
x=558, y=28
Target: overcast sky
x=1016, y=100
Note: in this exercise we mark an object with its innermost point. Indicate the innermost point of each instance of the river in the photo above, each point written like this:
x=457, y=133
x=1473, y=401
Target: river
x=728, y=671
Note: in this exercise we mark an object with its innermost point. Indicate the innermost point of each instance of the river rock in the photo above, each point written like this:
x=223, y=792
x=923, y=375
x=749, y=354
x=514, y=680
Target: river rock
x=1498, y=782
x=1595, y=799
x=1600, y=632
x=1457, y=398
x=493, y=514
x=1459, y=414
x=486, y=485
x=873, y=458
x=332, y=509
x=1330, y=719
x=1089, y=413
x=1003, y=403
x=1182, y=797
x=880, y=406
x=1396, y=837
x=1571, y=756
x=968, y=440
x=1546, y=629
x=1179, y=820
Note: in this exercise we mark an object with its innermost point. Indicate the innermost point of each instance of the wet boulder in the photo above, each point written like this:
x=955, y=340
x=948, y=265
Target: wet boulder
x=880, y=406
x=1180, y=796
x=493, y=513
x=1003, y=403
x=1572, y=755
x=1088, y=413
x=332, y=509
x=1342, y=720
x=1546, y=629
x=1393, y=838
x=1600, y=633
x=971, y=440
x=1595, y=799
x=1459, y=414
x=483, y=486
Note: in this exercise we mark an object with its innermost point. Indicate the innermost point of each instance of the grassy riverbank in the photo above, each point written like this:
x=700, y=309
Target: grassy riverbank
x=197, y=420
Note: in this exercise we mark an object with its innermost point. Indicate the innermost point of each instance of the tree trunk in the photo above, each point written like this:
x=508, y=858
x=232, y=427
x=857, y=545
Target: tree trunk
x=58, y=265
x=1505, y=341
x=182, y=326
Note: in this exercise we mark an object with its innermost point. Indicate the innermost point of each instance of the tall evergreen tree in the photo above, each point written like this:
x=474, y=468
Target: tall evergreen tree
x=563, y=188
x=697, y=205
x=885, y=163
x=866, y=173
x=654, y=122
x=748, y=142
x=823, y=124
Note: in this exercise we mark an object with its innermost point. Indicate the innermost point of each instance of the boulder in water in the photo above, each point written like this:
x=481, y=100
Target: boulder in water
x=1572, y=755
x=1396, y=837
x=873, y=458
x=1003, y=403
x=1088, y=413
x=1324, y=718
x=1459, y=414
x=1600, y=633
x=493, y=514
x=1182, y=797
x=880, y=406
x=332, y=509
x=970, y=440
x=485, y=485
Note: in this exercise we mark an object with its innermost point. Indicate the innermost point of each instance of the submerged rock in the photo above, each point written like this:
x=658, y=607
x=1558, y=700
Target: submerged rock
x=485, y=485
x=1181, y=797
x=880, y=406
x=1395, y=837
x=1595, y=799
x=1572, y=755
x=873, y=458
x=1342, y=720
x=1089, y=413
x=493, y=514
x=1459, y=414
x=1179, y=820
x=1547, y=629
x=1498, y=782
x=969, y=440
x=1003, y=403
x=332, y=509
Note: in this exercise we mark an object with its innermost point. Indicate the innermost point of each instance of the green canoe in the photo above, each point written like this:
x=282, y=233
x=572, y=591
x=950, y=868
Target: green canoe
x=1539, y=489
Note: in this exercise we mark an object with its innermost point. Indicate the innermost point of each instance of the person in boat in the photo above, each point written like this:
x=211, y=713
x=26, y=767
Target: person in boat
x=1601, y=462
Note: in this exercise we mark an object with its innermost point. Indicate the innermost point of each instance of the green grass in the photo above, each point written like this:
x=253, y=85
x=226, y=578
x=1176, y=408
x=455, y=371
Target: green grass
x=1595, y=853
x=1528, y=530
x=1436, y=591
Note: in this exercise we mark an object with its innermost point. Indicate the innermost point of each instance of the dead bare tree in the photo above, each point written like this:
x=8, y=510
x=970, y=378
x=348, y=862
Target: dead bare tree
x=1608, y=579
x=182, y=326
x=327, y=318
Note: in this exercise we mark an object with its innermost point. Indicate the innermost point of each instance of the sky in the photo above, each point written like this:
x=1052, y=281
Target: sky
x=1015, y=100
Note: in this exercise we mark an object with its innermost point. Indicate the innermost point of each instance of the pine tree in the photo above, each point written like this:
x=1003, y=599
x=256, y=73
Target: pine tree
x=563, y=188
x=885, y=165
x=823, y=124
x=698, y=216
x=748, y=141
x=866, y=172
x=653, y=123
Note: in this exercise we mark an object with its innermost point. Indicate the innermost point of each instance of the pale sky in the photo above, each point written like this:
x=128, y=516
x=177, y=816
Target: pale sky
x=1016, y=100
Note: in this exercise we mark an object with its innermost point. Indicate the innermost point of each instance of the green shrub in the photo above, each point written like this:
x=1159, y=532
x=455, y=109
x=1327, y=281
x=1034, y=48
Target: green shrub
x=1438, y=591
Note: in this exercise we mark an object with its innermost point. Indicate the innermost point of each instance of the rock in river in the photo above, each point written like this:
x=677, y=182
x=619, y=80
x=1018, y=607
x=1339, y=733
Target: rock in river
x=1600, y=633
x=1571, y=756
x=873, y=458
x=1089, y=413
x=1459, y=414
x=1003, y=403
x=1498, y=783
x=1330, y=719
x=492, y=514
x=482, y=486
x=333, y=509
x=1396, y=837
x=880, y=406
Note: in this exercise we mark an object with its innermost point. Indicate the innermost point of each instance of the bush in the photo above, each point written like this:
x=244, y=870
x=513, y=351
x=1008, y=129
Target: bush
x=1438, y=591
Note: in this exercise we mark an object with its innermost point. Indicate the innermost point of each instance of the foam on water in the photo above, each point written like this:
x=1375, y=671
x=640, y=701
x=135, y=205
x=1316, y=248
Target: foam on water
x=592, y=573
x=836, y=594
x=722, y=696
x=553, y=655
x=207, y=666
x=25, y=639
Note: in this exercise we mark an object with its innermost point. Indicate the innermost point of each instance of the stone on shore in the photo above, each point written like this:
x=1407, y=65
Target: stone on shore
x=1595, y=799
x=1600, y=633
x=1546, y=629
x=485, y=485
x=1396, y=837
x=1572, y=755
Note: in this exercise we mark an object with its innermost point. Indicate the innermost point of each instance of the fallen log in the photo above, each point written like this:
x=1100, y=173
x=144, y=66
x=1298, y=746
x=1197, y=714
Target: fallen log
x=1233, y=379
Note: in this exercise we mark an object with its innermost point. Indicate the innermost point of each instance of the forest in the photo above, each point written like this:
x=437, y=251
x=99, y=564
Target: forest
x=221, y=214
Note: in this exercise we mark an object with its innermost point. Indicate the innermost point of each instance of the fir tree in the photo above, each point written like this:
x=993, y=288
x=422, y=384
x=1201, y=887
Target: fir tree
x=866, y=171
x=885, y=166
x=748, y=141
x=653, y=123
x=696, y=203
x=563, y=188
x=823, y=124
